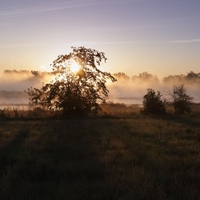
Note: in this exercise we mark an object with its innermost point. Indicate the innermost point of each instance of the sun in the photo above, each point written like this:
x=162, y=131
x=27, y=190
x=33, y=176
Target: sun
x=43, y=67
x=75, y=67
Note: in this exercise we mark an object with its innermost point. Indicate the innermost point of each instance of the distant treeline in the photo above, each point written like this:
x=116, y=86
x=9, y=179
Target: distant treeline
x=190, y=77
x=27, y=72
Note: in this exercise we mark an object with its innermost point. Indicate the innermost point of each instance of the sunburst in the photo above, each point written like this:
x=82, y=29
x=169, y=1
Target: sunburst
x=74, y=67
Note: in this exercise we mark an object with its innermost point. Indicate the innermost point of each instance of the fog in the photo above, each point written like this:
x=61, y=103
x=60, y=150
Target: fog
x=130, y=90
x=133, y=92
x=126, y=90
x=14, y=83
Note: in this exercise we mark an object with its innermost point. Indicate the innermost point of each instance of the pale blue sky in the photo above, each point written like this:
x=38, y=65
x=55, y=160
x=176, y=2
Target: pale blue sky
x=161, y=37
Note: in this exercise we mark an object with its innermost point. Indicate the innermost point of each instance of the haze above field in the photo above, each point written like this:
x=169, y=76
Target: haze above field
x=128, y=89
x=161, y=37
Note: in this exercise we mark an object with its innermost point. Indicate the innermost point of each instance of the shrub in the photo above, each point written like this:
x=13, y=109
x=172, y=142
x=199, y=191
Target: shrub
x=153, y=104
x=181, y=100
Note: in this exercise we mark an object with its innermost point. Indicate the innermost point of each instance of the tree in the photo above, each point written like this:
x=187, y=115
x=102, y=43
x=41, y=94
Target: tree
x=153, y=104
x=144, y=76
x=174, y=78
x=181, y=100
x=121, y=76
x=74, y=92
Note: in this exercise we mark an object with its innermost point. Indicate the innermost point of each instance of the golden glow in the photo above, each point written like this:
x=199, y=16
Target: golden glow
x=43, y=67
x=75, y=67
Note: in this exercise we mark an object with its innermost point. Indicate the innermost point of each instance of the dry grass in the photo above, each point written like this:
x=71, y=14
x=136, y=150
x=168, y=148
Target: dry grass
x=110, y=157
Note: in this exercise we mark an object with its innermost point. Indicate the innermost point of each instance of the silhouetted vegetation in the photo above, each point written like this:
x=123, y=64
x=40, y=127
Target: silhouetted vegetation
x=74, y=93
x=153, y=103
x=27, y=72
x=190, y=78
x=180, y=99
x=121, y=76
x=4, y=115
x=144, y=76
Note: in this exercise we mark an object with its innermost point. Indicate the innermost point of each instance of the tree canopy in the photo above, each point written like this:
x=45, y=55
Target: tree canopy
x=74, y=92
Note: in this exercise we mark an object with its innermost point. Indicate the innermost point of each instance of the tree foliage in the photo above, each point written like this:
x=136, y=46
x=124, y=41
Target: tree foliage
x=181, y=100
x=74, y=93
x=121, y=76
x=144, y=76
x=153, y=103
x=190, y=78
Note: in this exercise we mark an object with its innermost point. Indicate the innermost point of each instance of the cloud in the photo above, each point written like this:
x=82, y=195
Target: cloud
x=24, y=45
x=185, y=41
x=84, y=43
x=62, y=5
x=20, y=81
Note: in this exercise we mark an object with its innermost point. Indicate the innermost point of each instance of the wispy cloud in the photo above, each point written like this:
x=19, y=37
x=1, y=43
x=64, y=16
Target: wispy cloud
x=91, y=43
x=70, y=44
x=84, y=43
x=62, y=5
x=24, y=45
x=185, y=41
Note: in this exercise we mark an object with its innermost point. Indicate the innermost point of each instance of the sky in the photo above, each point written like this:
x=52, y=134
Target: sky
x=161, y=37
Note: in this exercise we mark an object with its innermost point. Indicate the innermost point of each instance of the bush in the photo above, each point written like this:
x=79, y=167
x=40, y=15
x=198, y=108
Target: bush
x=153, y=104
x=181, y=100
x=4, y=114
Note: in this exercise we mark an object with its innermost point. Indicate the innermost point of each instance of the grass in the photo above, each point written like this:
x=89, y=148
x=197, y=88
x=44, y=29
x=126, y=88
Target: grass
x=118, y=156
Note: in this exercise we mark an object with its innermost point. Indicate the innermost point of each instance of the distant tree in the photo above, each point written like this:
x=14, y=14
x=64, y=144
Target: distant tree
x=174, y=78
x=74, y=92
x=144, y=76
x=193, y=77
x=153, y=103
x=16, y=71
x=27, y=72
x=181, y=100
x=121, y=76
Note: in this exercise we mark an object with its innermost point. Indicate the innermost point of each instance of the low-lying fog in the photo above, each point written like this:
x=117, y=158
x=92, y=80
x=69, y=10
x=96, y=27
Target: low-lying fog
x=14, y=83
x=128, y=90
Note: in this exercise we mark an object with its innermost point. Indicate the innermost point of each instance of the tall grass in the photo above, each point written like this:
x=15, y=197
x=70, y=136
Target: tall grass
x=128, y=157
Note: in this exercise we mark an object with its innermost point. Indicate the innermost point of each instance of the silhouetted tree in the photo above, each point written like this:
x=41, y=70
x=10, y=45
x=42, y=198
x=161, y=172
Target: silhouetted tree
x=121, y=76
x=74, y=93
x=144, y=76
x=174, y=78
x=193, y=77
x=181, y=100
x=153, y=103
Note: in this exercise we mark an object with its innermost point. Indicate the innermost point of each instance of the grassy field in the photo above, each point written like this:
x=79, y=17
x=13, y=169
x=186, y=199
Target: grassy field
x=122, y=155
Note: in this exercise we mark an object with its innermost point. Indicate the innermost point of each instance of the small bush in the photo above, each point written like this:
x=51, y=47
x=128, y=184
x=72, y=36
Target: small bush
x=4, y=114
x=153, y=104
x=181, y=100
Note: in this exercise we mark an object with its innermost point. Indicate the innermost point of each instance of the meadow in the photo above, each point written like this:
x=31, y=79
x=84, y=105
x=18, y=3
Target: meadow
x=119, y=154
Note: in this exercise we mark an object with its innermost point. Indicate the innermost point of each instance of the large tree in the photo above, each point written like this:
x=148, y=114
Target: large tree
x=74, y=92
